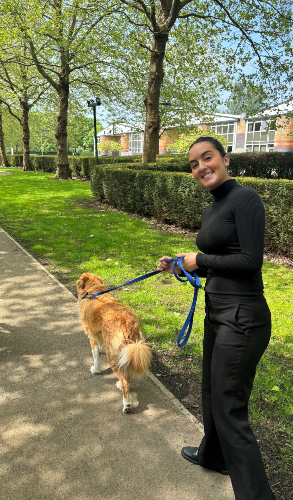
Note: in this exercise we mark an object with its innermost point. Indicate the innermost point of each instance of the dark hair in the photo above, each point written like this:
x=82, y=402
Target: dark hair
x=213, y=141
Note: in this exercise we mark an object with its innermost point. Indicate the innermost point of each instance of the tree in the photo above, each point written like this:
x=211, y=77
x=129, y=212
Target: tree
x=62, y=37
x=238, y=23
x=88, y=138
x=192, y=85
x=21, y=85
x=185, y=140
x=12, y=131
x=110, y=146
x=4, y=160
x=245, y=98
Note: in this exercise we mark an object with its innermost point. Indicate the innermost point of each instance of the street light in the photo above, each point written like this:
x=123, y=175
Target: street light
x=92, y=104
x=43, y=130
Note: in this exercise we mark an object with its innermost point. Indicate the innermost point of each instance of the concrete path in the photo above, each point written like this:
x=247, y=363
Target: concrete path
x=62, y=431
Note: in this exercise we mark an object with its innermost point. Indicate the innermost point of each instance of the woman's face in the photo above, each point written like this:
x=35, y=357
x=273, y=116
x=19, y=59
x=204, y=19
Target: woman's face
x=208, y=167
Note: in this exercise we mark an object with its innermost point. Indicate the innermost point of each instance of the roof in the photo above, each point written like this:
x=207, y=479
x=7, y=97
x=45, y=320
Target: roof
x=120, y=128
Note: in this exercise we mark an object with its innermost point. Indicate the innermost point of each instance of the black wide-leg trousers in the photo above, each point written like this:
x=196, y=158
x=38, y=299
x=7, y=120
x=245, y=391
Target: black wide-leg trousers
x=236, y=335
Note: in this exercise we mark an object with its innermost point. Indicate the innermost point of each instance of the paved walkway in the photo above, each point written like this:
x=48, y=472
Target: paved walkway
x=62, y=431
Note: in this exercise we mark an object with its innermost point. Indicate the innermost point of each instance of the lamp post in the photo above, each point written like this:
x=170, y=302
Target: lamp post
x=43, y=130
x=93, y=104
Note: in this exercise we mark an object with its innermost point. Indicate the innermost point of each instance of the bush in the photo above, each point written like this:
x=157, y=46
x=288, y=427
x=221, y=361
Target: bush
x=44, y=163
x=264, y=165
x=176, y=198
x=15, y=160
x=79, y=165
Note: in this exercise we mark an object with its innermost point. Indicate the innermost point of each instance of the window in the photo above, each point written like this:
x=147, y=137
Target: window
x=260, y=136
x=98, y=140
x=226, y=130
x=135, y=143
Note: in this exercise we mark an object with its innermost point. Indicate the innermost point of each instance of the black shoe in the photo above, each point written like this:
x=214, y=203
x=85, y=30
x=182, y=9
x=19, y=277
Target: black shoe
x=191, y=454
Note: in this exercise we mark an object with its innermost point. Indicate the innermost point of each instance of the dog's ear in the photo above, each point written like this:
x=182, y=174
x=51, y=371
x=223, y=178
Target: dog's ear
x=82, y=281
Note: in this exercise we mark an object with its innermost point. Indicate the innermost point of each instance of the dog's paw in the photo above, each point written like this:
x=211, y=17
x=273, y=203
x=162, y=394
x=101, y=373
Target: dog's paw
x=118, y=385
x=94, y=370
x=127, y=408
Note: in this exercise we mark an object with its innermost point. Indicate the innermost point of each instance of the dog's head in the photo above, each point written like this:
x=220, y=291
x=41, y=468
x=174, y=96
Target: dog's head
x=88, y=281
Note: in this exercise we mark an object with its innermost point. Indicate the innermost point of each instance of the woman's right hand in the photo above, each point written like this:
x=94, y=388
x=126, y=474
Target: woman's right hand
x=168, y=267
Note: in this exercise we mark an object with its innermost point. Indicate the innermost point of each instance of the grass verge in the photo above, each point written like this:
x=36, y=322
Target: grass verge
x=57, y=222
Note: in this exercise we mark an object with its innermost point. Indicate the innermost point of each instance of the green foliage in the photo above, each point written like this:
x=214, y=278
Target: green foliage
x=189, y=136
x=15, y=160
x=261, y=165
x=176, y=198
x=79, y=165
x=110, y=146
x=245, y=98
x=88, y=138
x=162, y=165
x=274, y=165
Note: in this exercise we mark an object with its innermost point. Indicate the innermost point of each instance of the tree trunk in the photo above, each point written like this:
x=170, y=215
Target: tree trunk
x=4, y=160
x=152, y=98
x=27, y=166
x=63, y=171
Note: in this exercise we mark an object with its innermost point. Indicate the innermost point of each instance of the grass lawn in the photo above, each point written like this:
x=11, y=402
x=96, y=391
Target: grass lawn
x=57, y=223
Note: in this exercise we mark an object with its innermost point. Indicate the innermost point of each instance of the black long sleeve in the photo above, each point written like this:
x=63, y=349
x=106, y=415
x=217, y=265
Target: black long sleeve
x=232, y=239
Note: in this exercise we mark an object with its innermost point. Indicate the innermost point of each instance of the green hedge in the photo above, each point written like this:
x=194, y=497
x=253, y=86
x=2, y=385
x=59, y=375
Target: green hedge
x=15, y=160
x=176, y=198
x=261, y=165
x=265, y=165
x=79, y=165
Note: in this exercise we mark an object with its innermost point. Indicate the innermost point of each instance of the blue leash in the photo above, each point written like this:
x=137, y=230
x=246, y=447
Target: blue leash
x=191, y=277
x=195, y=282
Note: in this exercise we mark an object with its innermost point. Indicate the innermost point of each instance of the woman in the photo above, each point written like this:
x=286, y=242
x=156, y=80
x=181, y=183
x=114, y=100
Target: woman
x=237, y=325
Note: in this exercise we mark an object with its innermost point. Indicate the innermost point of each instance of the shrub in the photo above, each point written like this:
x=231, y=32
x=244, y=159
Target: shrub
x=15, y=160
x=177, y=198
x=264, y=165
x=44, y=163
x=79, y=165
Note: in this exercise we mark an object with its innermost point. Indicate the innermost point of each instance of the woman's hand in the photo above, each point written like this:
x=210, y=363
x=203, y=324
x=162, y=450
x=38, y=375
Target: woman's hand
x=164, y=266
x=189, y=263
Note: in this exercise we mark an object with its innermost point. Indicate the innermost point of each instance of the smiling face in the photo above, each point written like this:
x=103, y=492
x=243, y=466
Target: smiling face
x=208, y=167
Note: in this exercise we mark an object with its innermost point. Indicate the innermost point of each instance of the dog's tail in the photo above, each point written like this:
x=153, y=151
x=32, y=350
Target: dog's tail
x=135, y=358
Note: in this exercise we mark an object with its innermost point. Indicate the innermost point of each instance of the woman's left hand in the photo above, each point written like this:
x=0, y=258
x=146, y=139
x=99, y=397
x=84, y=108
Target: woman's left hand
x=189, y=261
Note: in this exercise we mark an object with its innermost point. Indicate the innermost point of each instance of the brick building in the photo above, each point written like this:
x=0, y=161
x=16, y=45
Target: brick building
x=270, y=131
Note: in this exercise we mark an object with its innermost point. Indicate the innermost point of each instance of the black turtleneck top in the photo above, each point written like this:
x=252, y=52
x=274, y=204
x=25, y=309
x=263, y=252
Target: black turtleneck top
x=232, y=241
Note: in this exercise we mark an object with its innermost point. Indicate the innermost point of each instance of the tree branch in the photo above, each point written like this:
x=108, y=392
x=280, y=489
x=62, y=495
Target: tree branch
x=185, y=2
x=39, y=96
x=10, y=110
x=137, y=24
x=243, y=31
x=39, y=65
x=135, y=6
x=90, y=28
x=73, y=23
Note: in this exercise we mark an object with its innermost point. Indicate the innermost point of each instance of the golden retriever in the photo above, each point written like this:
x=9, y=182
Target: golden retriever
x=115, y=327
